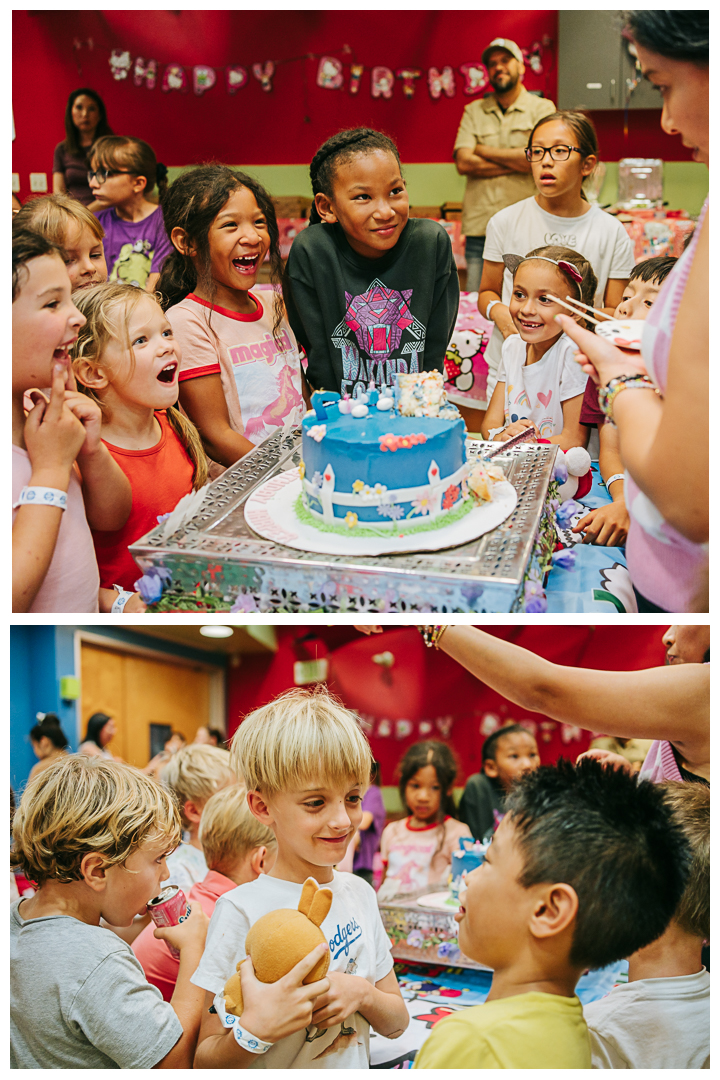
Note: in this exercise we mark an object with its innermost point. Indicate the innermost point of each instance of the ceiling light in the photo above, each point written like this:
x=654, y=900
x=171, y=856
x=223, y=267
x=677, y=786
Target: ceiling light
x=216, y=631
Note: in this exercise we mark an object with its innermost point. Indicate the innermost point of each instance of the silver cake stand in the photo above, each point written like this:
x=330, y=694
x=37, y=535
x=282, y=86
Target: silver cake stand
x=218, y=550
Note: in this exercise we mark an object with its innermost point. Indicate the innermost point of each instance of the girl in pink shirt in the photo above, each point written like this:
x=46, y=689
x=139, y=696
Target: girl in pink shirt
x=417, y=851
x=54, y=566
x=240, y=378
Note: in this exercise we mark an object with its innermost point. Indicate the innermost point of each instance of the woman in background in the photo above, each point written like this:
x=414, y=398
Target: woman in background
x=85, y=121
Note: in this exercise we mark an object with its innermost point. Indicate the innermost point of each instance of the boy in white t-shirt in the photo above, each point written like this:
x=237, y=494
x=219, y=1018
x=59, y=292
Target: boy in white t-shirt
x=539, y=384
x=306, y=765
x=660, y=1019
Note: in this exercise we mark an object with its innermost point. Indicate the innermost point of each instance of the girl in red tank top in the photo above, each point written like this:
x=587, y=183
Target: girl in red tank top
x=128, y=361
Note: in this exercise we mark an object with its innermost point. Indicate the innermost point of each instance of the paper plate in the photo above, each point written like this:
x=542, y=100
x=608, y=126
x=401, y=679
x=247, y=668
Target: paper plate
x=437, y=900
x=625, y=333
x=270, y=512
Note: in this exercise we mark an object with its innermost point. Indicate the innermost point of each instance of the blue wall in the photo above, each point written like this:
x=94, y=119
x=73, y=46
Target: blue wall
x=39, y=657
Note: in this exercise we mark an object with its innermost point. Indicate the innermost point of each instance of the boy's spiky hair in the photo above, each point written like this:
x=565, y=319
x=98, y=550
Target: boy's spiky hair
x=300, y=736
x=654, y=270
x=82, y=805
x=615, y=840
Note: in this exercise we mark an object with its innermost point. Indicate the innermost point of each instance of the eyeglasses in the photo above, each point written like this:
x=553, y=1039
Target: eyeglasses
x=557, y=153
x=101, y=175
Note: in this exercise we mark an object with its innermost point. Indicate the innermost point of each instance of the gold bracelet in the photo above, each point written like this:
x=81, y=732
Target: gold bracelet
x=440, y=631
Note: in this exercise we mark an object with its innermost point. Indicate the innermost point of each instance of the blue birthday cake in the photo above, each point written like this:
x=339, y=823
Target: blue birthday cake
x=391, y=459
x=469, y=856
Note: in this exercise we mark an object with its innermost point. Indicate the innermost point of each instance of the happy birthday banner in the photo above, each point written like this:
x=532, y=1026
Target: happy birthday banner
x=331, y=75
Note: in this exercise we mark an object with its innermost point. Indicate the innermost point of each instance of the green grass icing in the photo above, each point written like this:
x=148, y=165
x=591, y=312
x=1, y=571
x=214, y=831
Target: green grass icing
x=406, y=528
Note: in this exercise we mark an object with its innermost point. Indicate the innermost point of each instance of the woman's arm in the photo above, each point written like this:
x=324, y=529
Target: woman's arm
x=491, y=285
x=573, y=433
x=203, y=399
x=657, y=703
x=59, y=187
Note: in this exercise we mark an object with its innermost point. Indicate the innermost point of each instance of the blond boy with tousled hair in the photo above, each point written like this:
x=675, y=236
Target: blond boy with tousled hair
x=194, y=774
x=660, y=1018
x=94, y=834
x=237, y=848
x=306, y=765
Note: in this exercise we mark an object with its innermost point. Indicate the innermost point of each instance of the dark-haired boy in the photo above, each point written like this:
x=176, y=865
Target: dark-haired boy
x=608, y=524
x=508, y=753
x=586, y=867
x=660, y=1018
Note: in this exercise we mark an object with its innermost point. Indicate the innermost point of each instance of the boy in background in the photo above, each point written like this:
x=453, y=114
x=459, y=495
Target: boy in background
x=586, y=867
x=94, y=834
x=237, y=848
x=608, y=525
x=306, y=765
x=194, y=774
x=660, y=1019
x=508, y=753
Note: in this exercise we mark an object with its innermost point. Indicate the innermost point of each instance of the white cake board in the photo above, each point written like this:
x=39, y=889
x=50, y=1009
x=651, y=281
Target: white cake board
x=270, y=512
x=438, y=900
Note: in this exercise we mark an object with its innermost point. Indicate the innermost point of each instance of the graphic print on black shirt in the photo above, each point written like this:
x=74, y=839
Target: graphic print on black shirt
x=373, y=328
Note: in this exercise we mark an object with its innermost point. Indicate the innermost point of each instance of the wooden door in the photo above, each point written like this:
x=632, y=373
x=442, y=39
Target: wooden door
x=138, y=691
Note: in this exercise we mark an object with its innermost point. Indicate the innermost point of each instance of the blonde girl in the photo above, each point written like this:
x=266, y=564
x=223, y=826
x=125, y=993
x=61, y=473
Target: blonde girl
x=127, y=360
x=78, y=233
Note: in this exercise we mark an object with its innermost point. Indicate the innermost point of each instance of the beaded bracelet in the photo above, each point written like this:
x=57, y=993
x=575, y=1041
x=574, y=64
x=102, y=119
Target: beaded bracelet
x=608, y=393
x=431, y=634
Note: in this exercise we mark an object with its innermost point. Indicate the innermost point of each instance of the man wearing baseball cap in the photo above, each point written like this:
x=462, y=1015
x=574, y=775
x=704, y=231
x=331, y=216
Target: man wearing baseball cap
x=490, y=148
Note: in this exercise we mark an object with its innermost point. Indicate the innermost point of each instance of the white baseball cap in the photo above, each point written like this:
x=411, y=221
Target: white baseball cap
x=503, y=43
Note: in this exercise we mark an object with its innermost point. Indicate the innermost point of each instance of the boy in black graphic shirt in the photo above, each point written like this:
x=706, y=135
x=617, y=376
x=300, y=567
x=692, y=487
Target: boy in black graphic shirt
x=371, y=292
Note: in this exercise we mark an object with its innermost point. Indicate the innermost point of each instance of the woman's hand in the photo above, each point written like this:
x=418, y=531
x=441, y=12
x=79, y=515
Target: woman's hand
x=369, y=629
x=597, y=357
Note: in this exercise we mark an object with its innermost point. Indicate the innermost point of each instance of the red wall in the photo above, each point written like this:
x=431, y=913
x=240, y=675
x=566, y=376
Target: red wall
x=425, y=685
x=286, y=125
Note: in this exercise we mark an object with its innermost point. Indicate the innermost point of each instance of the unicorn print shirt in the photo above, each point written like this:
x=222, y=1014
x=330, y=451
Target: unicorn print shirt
x=358, y=944
x=536, y=391
x=364, y=319
x=418, y=859
x=260, y=373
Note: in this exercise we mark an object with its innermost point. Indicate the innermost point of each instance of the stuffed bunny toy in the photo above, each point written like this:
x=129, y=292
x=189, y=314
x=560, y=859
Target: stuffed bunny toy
x=280, y=939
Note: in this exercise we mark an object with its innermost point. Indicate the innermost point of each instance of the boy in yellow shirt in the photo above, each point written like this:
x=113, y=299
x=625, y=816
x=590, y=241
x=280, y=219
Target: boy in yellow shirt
x=586, y=867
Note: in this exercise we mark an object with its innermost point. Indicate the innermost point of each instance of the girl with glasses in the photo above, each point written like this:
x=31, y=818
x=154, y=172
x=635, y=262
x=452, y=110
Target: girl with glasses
x=123, y=172
x=563, y=152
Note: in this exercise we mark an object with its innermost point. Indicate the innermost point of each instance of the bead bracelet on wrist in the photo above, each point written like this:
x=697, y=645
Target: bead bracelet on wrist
x=608, y=393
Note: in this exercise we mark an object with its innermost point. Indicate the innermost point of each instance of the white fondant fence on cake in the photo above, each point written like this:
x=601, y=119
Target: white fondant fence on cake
x=372, y=496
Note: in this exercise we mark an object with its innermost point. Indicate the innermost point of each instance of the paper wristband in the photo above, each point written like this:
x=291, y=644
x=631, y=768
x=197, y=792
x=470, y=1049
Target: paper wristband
x=489, y=308
x=122, y=599
x=42, y=496
x=613, y=478
x=242, y=1037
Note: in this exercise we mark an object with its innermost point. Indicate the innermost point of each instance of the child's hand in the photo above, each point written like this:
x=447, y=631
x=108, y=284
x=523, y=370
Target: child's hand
x=516, y=428
x=188, y=934
x=275, y=1010
x=345, y=997
x=88, y=413
x=53, y=435
x=369, y=629
x=607, y=757
x=608, y=525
